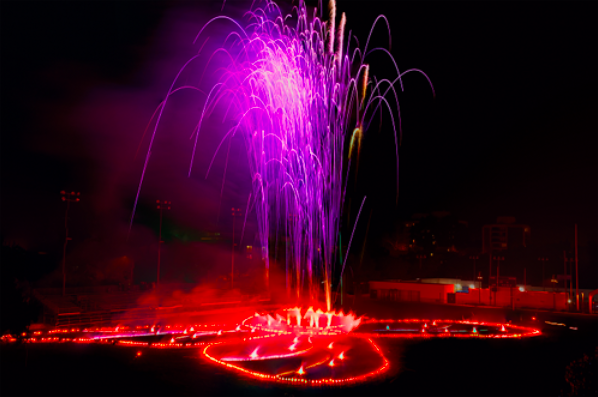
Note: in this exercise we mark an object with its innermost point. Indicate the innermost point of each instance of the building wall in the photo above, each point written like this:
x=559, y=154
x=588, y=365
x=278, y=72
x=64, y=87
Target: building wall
x=506, y=296
x=437, y=293
x=398, y=291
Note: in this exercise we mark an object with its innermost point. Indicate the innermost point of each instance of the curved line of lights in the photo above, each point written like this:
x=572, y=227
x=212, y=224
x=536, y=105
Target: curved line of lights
x=267, y=357
x=389, y=328
x=297, y=380
x=502, y=330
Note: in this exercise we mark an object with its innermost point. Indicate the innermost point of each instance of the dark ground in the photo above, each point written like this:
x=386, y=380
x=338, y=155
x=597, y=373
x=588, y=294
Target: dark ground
x=526, y=367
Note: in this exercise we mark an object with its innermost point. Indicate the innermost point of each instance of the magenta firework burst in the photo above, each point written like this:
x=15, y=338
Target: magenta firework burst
x=301, y=97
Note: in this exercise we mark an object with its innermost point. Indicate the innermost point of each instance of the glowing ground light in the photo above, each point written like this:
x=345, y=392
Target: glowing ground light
x=326, y=341
x=313, y=374
x=320, y=357
x=442, y=329
x=308, y=322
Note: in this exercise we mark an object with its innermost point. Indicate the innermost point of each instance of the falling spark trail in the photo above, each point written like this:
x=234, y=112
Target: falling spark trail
x=301, y=101
x=245, y=220
x=350, y=240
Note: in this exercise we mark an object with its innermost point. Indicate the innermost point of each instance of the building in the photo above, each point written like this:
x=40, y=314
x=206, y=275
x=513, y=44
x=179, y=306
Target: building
x=410, y=291
x=438, y=232
x=504, y=234
x=455, y=291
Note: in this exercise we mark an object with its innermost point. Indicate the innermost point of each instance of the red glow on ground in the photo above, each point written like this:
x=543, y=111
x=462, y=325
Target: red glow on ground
x=287, y=377
x=444, y=328
x=239, y=346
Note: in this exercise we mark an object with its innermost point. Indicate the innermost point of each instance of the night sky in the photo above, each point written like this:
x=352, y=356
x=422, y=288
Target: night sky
x=512, y=129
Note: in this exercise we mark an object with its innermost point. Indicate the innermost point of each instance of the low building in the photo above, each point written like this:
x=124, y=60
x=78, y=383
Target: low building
x=410, y=291
x=462, y=292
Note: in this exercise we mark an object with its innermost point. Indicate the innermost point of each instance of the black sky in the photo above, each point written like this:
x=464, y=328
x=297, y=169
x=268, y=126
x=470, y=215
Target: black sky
x=512, y=129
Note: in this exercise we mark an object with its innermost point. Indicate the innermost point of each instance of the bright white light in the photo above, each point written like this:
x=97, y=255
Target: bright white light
x=521, y=289
x=471, y=286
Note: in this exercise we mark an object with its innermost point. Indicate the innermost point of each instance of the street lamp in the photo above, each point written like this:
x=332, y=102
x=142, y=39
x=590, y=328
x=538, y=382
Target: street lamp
x=571, y=263
x=543, y=260
x=554, y=281
x=68, y=197
x=235, y=212
x=480, y=279
x=474, y=258
x=497, y=259
x=421, y=258
x=161, y=205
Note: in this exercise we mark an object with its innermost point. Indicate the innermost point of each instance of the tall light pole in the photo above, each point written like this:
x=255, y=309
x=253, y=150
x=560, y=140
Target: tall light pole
x=565, y=260
x=543, y=260
x=421, y=258
x=161, y=205
x=474, y=258
x=68, y=197
x=497, y=259
x=576, y=271
x=489, y=275
x=570, y=260
x=235, y=212
x=480, y=279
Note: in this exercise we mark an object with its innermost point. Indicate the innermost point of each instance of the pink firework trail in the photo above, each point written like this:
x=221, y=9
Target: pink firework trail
x=301, y=98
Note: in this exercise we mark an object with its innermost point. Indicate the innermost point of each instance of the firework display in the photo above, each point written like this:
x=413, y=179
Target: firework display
x=299, y=94
x=301, y=97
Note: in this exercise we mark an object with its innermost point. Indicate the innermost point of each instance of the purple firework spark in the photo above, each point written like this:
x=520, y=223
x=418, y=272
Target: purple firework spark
x=302, y=102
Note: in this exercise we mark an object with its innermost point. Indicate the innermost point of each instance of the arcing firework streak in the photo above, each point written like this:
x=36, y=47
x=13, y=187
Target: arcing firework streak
x=301, y=101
